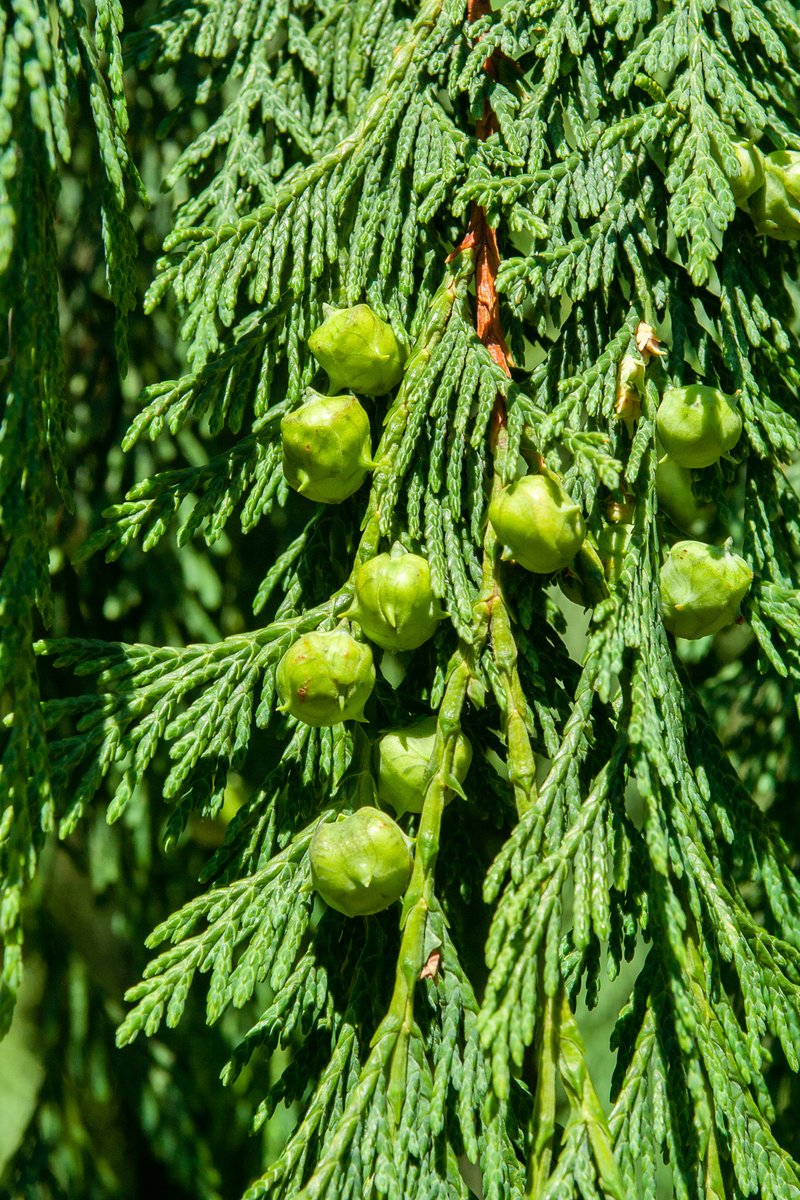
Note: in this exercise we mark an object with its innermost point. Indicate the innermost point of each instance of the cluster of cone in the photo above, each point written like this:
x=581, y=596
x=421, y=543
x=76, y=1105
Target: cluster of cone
x=327, y=446
x=702, y=586
x=325, y=678
x=360, y=864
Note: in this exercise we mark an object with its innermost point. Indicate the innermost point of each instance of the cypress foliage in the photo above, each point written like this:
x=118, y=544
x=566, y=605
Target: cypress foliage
x=45, y=59
x=543, y=201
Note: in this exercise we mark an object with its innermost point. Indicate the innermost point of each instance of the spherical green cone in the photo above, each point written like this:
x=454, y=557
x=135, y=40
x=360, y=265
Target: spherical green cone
x=538, y=522
x=701, y=588
x=362, y=864
x=675, y=495
x=750, y=173
x=326, y=448
x=325, y=678
x=394, y=602
x=697, y=424
x=358, y=350
x=402, y=758
x=775, y=207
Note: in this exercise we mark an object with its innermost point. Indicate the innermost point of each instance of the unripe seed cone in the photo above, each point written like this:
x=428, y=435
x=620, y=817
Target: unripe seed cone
x=403, y=756
x=675, y=495
x=394, y=602
x=326, y=448
x=538, y=522
x=697, y=424
x=362, y=864
x=775, y=207
x=701, y=588
x=325, y=678
x=750, y=174
x=358, y=350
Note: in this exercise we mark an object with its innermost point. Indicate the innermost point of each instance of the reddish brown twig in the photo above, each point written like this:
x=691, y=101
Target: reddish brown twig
x=488, y=325
x=481, y=238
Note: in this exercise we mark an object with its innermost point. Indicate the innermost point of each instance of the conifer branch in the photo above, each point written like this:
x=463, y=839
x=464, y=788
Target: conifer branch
x=542, y=205
x=44, y=57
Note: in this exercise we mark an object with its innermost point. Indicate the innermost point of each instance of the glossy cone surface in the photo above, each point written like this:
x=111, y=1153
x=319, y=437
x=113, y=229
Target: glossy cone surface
x=327, y=449
x=775, y=207
x=701, y=588
x=539, y=523
x=358, y=350
x=697, y=424
x=325, y=678
x=394, y=601
x=362, y=864
x=402, y=757
x=750, y=176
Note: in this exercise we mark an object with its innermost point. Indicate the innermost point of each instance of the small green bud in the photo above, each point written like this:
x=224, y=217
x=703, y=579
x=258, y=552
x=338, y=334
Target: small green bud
x=403, y=756
x=749, y=176
x=326, y=448
x=394, y=602
x=325, y=678
x=675, y=495
x=362, y=864
x=775, y=207
x=358, y=350
x=630, y=387
x=697, y=424
x=701, y=588
x=538, y=522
